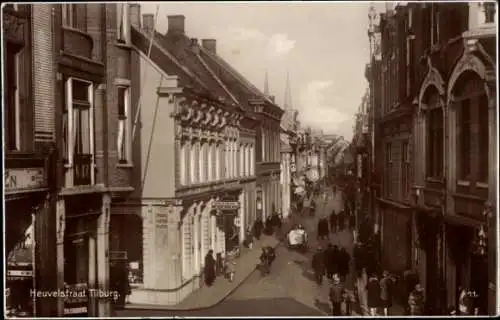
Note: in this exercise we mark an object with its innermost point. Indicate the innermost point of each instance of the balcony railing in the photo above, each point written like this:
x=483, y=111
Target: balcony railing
x=82, y=166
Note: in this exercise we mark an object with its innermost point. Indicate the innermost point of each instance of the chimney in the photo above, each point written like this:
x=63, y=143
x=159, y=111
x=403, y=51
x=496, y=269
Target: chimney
x=135, y=15
x=194, y=45
x=148, y=22
x=210, y=45
x=176, y=24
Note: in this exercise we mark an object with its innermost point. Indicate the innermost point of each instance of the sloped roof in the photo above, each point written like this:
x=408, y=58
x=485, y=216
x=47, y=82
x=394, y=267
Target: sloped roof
x=237, y=84
x=174, y=55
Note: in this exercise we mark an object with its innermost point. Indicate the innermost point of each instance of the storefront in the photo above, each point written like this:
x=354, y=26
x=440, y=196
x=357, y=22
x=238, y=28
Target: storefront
x=227, y=211
x=25, y=187
x=85, y=255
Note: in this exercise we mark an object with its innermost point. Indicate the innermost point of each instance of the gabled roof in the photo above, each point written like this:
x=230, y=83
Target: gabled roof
x=174, y=55
x=235, y=82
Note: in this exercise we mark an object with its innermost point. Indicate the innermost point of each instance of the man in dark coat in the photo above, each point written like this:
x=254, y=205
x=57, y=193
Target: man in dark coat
x=257, y=228
x=331, y=254
x=373, y=291
x=335, y=294
x=318, y=265
x=344, y=259
x=209, y=269
x=268, y=227
x=333, y=221
x=341, y=219
x=386, y=292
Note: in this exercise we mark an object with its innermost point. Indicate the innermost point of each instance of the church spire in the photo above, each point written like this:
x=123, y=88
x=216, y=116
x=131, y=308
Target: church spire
x=288, y=93
x=266, y=85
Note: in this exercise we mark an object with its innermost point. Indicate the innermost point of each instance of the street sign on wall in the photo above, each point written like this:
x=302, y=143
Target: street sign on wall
x=25, y=179
x=226, y=205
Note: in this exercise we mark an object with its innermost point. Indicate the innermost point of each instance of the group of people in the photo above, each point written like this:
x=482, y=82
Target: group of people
x=336, y=222
x=380, y=292
x=219, y=266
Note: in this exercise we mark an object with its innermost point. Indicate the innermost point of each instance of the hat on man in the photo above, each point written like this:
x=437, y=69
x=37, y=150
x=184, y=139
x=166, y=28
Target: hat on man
x=336, y=279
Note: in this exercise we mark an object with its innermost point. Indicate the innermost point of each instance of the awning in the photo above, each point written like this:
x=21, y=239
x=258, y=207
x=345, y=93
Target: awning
x=459, y=220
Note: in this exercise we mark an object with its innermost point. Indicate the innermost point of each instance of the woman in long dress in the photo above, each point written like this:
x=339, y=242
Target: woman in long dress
x=209, y=270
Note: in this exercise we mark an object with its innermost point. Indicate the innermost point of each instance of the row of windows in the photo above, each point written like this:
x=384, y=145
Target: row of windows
x=395, y=167
x=75, y=16
x=202, y=162
x=472, y=145
x=270, y=146
x=78, y=129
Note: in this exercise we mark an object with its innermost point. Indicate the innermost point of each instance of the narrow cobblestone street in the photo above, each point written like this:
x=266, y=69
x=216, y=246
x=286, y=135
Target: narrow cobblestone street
x=289, y=290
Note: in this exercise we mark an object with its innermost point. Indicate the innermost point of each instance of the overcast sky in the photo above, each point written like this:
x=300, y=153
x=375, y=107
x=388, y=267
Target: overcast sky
x=323, y=45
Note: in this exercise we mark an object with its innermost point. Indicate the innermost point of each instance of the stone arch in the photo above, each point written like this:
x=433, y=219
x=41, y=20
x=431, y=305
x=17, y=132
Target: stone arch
x=468, y=62
x=432, y=79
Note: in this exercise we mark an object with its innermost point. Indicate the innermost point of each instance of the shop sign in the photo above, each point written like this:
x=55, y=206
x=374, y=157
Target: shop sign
x=226, y=205
x=24, y=179
x=19, y=274
x=76, y=299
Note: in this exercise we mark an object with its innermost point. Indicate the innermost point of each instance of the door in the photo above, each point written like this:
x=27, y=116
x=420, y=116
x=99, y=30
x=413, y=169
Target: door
x=76, y=275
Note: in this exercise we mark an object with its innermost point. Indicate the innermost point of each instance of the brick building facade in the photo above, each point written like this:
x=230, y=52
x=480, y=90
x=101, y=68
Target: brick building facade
x=437, y=81
x=78, y=70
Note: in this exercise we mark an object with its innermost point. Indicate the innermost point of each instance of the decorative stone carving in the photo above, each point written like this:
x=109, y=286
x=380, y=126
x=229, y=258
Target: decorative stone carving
x=468, y=62
x=433, y=78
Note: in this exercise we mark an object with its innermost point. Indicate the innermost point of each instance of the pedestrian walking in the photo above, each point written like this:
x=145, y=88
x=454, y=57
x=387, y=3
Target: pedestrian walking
x=219, y=264
x=336, y=296
x=386, y=292
x=333, y=221
x=265, y=265
x=323, y=229
x=230, y=265
x=312, y=211
x=352, y=220
x=416, y=301
x=331, y=254
x=373, y=290
x=209, y=269
x=248, y=242
x=344, y=259
x=318, y=265
x=258, y=226
x=268, y=227
x=341, y=219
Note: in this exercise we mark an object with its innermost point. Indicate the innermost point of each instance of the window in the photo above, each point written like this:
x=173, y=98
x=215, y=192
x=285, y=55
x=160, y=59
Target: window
x=464, y=135
x=123, y=22
x=435, y=143
x=484, y=140
x=78, y=130
x=388, y=171
x=489, y=12
x=182, y=163
x=405, y=168
x=124, y=139
x=75, y=16
x=12, y=104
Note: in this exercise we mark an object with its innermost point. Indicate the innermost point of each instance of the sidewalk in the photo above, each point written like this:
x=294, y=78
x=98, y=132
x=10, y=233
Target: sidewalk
x=206, y=297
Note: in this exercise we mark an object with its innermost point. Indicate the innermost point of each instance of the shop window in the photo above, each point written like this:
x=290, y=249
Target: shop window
x=489, y=12
x=75, y=16
x=435, y=143
x=464, y=137
x=123, y=138
x=78, y=129
x=12, y=125
x=484, y=140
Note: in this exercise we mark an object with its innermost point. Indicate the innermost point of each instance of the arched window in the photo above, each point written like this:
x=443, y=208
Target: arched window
x=435, y=135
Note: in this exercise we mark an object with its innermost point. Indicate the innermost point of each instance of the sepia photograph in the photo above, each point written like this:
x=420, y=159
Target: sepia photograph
x=250, y=159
